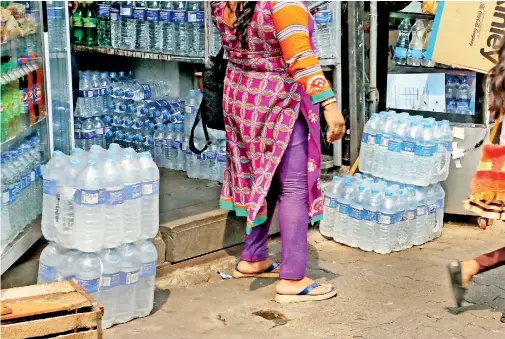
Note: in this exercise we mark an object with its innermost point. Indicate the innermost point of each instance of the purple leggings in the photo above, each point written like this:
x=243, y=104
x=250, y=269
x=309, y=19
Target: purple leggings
x=289, y=188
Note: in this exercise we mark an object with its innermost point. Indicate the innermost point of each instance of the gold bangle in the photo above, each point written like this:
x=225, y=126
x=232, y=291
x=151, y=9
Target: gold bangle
x=328, y=102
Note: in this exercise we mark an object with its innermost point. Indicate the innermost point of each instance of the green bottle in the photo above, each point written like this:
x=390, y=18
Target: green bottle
x=89, y=21
x=77, y=25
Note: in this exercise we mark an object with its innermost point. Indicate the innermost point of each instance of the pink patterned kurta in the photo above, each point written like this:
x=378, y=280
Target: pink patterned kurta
x=261, y=104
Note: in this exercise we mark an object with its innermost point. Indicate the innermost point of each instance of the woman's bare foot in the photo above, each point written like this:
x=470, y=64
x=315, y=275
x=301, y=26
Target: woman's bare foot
x=251, y=267
x=292, y=287
x=468, y=270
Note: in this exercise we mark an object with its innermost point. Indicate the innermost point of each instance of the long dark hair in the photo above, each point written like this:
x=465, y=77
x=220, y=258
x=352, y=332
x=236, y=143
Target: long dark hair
x=496, y=78
x=244, y=12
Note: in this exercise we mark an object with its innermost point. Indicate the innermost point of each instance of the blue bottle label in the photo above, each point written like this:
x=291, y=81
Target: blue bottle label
x=150, y=187
x=386, y=218
x=384, y=140
x=211, y=155
x=47, y=273
x=77, y=134
x=114, y=14
x=395, y=145
x=424, y=150
x=356, y=213
x=104, y=11
x=344, y=208
x=400, y=52
x=88, y=134
x=166, y=15
x=409, y=146
x=432, y=209
x=6, y=196
x=111, y=280
x=168, y=143
x=180, y=17
x=129, y=278
x=17, y=188
x=147, y=91
x=114, y=197
x=415, y=54
x=158, y=143
x=421, y=210
x=126, y=11
x=221, y=158
x=371, y=138
x=139, y=14
x=330, y=202
x=448, y=145
x=133, y=191
x=153, y=15
x=200, y=156
x=148, y=269
x=49, y=187
x=188, y=152
x=399, y=217
x=370, y=216
x=323, y=17
x=364, y=137
x=89, y=285
x=410, y=214
x=175, y=145
x=195, y=17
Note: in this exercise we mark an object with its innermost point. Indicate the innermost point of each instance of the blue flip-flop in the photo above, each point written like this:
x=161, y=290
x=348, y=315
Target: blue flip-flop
x=305, y=296
x=267, y=273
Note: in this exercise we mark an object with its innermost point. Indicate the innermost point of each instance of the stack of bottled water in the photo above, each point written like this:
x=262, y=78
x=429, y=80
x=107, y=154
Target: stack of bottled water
x=413, y=52
x=382, y=216
x=100, y=208
x=458, y=94
x=21, y=186
x=172, y=27
x=407, y=149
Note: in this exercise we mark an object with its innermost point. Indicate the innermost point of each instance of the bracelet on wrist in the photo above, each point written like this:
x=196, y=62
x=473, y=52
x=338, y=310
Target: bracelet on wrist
x=328, y=102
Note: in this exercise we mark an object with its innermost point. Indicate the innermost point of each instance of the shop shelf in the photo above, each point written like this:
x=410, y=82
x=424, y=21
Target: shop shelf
x=139, y=54
x=452, y=117
x=403, y=15
x=18, y=72
x=398, y=69
x=21, y=244
x=8, y=144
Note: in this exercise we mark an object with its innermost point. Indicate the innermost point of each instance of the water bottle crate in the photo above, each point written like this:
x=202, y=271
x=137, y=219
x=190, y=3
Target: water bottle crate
x=139, y=54
x=58, y=309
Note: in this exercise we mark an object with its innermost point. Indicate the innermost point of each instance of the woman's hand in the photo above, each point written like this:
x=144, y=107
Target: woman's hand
x=335, y=122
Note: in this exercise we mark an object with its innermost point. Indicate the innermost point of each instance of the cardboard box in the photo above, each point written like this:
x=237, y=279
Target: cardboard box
x=468, y=34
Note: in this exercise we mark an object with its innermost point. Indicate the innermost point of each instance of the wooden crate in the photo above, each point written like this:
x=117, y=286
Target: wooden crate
x=60, y=310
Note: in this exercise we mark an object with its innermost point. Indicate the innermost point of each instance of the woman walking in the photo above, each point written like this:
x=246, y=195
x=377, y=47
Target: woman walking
x=273, y=92
x=488, y=187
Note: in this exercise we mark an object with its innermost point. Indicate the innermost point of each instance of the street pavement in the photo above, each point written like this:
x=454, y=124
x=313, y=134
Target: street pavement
x=400, y=295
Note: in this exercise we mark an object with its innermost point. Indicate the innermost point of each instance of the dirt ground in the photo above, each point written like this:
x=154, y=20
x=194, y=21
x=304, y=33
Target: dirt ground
x=401, y=295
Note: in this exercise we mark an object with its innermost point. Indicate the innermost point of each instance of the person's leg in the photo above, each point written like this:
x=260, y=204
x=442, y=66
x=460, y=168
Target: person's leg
x=482, y=263
x=254, y=256
x=294, y=215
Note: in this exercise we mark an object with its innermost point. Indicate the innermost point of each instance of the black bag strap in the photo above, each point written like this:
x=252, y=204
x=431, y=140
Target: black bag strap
x=208, y=142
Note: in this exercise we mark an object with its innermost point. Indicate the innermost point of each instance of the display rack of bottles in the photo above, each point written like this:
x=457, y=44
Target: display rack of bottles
x=139, y=54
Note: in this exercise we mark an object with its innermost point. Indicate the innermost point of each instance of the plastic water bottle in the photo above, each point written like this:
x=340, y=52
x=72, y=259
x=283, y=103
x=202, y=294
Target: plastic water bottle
x=113, y=207
x=132, y=209
x=99, y=132
x=393, y=163
x=85, y=106
x=49, y=262
x=181, y=28
x=142, y=25
x=361, y=196
x=105, y=92
x=66, y=270
x=410, y=214
x=179, y=142
x=175, y=146
x=371, y=211
x=50, y=209
x=323, y=35
x=128, y=26
x=196, y=24
x=368, y=143
x=8, y=230
x=446, y=139
x=129, y=276
x=401, y=240
x=463, y=98
x=145, y=287
x=104, y=25
x=344, y=210
x=402, y=43
x=425, y=61
x=167, y=145
x=431, y=218
x=221, y=160
x=159, y=139
x=425, y=150
x=155, y=26
x=167, y=20
x=215, y=41
x=109, y=288
x=451, y=93
x=97, y=100
x=329, y=210
x=115, y=27
x=383, y=137
x=421, y=217
x=209, y=163
x=440, y=198
x=415, y=52
x=66, y=221
x=88, y=272
x=150, y=196
x=190, y=109
x=385, y=229
x=90, y=198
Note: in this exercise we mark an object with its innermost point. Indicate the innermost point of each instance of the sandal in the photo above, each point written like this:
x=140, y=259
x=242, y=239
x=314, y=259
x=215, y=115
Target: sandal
x=267, y=273
x=458, y=290
x=305, y=296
